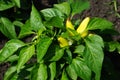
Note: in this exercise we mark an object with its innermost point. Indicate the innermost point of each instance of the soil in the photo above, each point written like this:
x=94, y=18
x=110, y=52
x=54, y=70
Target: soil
x=98, y=8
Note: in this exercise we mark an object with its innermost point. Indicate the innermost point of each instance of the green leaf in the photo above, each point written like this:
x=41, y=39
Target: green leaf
x=17, y=2
x=0, y=50
x=42, y=72
x=57, y=54
x=114, y=45
x=15, y=77
x=7, y=28
x=79, y=5
x=34, y=72
x=10, y=72
x=12, y=58
x=52, y=68
x=6, y=5
x=93, y=54
x=56, y=22
x=42, y=47
x=79, y=49
x=54, y=53
x=24, y=73
x=63, y=7
x=81, y=68
x=64, y=75
x=50, y=13
x=68, y=56
x=70, y=1
x=71, y=72
x=99, y=23
x=10, y=48
x=18, y=23
x=25, y=30
x=25, y=54
x=53, y=17
x=35, y=20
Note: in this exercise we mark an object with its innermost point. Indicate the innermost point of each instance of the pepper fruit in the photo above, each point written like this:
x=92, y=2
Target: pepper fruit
x=82, y=27
x=69, y=24
x=80, y=30
x=63, y=42
x=84, y=34
x=70, y=27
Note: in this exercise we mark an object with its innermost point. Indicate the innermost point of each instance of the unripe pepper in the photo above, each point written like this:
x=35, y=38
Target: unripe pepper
x=63, y=42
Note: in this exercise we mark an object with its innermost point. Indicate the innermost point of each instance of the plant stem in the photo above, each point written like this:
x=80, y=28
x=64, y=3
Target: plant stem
x=115, y=5
x=115, y=8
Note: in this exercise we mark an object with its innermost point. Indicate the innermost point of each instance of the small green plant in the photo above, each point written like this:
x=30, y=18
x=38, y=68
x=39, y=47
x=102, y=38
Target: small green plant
x=61, y=49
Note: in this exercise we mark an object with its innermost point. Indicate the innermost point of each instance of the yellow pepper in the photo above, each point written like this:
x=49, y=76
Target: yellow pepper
x=69, y=24
x=84, y=34
x=81, y=28
x=63, y=42
x=83, y=25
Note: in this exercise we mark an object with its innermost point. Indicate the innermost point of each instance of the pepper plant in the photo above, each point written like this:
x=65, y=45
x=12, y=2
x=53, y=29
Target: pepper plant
x=61, y=48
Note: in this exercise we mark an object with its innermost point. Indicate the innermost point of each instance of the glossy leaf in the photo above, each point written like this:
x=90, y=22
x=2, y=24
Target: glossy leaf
x=0, y=50
x=15, y=77
x=17, y=2
x=4, y=5
x=34, y=72
x=42, y=47
x=12, y=58
x=79, y=5
x=52, y=68
x=57, y=54
x=64, y=75
x=42, y=72
x=71, y=72
x=25, y=54
x=99, y=23
x=63, y=7
x=9, y=49
x=54, y=53
x=50, y=13
x=79, y=49
x=18, y=23
x=70, y=1
x=7, y=28
x=68, y=56
x=81, y=68
x=35, y=20
x=10, y=73
x=114, y=45
x=26, y=30
x=53, y=17
x=94, y=54
x=56, y=22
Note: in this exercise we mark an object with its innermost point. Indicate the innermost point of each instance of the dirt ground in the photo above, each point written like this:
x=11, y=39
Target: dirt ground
x=99, y=8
